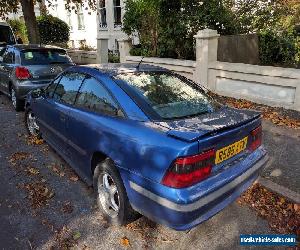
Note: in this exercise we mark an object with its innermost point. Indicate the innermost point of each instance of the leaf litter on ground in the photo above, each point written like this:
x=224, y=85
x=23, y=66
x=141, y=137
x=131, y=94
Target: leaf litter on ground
x=282, y=215
x=18, y=157
x=38, y=193
x=278, y=116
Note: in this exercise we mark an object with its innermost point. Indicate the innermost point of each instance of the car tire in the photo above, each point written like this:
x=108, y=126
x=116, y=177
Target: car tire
x=31, y=124
x=16, y=102
x=111, y=197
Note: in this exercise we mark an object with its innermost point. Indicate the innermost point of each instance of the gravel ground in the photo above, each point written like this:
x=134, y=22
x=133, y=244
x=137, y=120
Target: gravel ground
x=66, y=215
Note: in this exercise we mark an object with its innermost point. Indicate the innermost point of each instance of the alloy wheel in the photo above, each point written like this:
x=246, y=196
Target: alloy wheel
x=31, y=124
x=13, y=98
x=108, y=195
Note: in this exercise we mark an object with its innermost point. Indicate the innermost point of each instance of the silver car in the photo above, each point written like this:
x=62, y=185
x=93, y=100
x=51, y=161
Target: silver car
x=27, y=67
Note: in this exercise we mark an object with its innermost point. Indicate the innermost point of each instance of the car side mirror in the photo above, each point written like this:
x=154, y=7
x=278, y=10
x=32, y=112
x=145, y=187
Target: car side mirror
x=37, y=93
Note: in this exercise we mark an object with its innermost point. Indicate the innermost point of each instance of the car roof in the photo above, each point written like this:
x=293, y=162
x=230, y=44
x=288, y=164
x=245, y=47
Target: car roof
x=117, y=68
x=34, y=46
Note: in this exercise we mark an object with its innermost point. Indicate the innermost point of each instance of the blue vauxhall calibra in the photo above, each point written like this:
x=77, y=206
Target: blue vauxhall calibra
x=149, y=141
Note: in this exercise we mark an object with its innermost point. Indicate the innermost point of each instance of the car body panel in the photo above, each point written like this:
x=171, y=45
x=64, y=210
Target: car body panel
x=143, y=150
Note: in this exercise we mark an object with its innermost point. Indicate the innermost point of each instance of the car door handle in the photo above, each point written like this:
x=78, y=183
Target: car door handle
x=62, y=118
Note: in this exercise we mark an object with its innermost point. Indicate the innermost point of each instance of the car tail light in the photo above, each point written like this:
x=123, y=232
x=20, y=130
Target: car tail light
x=256, y=138
x=186, y=171
x=22, y=73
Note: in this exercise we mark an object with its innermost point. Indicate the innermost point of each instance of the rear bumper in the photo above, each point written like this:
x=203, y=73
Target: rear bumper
x=183, y=216
x=24, y=88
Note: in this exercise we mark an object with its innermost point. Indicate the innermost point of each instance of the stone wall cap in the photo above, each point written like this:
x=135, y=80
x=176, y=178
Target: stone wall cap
x=206, y=33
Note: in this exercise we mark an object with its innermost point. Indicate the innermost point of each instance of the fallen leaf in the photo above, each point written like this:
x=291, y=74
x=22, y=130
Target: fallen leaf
x=33, y=171
x=74, y=178
x=125, y=242
x=76, y=235
x=67, y=207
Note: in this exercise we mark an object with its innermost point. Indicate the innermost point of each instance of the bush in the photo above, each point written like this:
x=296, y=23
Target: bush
x=113, y=58
x=279, y=49
x=138, y=50
x=53, y=30
x=19, y=29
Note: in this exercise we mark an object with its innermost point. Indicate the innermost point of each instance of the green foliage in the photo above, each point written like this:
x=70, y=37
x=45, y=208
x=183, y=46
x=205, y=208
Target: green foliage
x=142, y=17
x=113, y=58
x=53, y=30
x=278, y=48
x=139, y=51
x=166, y=28
x=19, y=29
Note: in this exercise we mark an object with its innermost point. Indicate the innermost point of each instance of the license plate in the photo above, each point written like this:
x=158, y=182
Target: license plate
x=230, y=150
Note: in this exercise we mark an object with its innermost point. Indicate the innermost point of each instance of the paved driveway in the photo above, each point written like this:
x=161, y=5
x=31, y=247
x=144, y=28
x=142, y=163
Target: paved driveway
x=70, y=207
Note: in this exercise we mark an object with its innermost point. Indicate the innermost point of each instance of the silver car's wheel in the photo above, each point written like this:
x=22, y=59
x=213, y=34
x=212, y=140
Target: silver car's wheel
x=13, y=98
x=108, y=195
x=32, y=126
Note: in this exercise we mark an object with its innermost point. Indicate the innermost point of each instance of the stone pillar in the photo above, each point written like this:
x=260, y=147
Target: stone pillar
x=102, y=50
x=206, y=52
x=125, y=45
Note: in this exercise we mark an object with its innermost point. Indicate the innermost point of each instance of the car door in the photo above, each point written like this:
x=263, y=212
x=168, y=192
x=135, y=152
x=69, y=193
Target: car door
x=7, y=68
x=93, y=106
x=2, y=53
x=52, y=110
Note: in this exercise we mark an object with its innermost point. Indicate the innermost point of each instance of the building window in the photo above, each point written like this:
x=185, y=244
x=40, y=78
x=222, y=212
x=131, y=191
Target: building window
x=117, y=14
x=116, y=46
x=69, y=21
x=80, y=18
x=102, y=13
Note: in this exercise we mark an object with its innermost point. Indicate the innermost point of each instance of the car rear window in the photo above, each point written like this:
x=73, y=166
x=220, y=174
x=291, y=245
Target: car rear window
x=44, y=56
x=169, y=95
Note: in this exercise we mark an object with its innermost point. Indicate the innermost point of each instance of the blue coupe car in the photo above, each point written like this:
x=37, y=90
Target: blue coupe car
x=149, y=141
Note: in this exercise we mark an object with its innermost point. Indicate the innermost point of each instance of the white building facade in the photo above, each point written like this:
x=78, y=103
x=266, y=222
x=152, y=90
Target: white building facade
x=110, y=21
x=86, y=25
x=83, y=23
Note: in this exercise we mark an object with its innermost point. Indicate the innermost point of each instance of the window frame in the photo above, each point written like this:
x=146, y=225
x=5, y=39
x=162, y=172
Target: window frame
x=80, y=15
x=61, y=76
x=102, y=9
x=124, y=115
x=53, y=82
x=115, y=7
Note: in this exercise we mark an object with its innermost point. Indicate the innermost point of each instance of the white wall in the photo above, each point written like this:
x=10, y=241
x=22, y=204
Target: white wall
x=90, y=22
x=273, y=86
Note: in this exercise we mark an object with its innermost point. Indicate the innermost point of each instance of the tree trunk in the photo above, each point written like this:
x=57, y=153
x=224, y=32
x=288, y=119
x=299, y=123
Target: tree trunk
x=30, y=21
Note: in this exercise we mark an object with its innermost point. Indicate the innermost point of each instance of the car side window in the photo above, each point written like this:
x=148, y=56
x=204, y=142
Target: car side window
x=9, y=57
x=67, y=88
x=51, y=87
x=94, y=97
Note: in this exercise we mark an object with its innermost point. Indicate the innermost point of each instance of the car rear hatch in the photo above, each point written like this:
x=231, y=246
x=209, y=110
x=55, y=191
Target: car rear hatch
x=45, y=73
x=44, y=64
x=226, y=131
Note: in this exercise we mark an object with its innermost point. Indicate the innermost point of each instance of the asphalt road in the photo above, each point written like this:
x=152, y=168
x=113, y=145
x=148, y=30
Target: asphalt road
x=70, y=216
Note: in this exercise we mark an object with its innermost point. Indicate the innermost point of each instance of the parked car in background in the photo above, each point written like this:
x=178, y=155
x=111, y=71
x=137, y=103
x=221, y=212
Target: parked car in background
x=27, y=67
x=148, y=140
x=7, y=36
